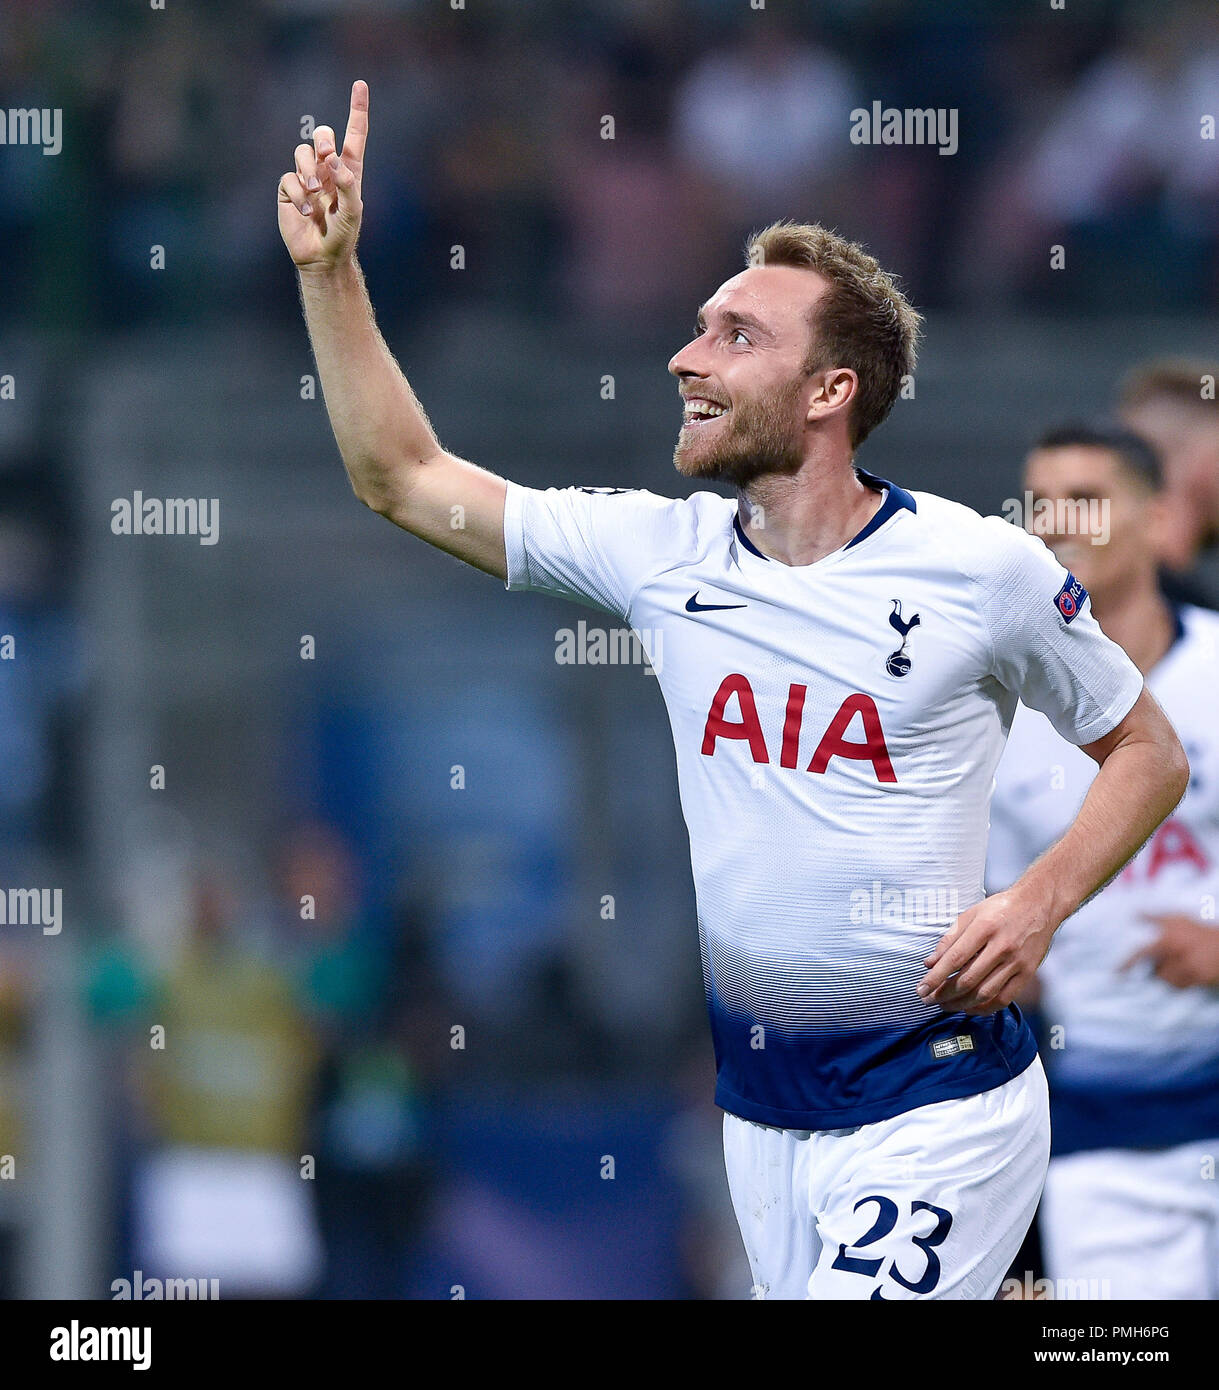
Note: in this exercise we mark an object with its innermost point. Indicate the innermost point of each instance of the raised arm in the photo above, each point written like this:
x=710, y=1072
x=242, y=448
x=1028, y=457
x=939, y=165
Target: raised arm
x=393, y=458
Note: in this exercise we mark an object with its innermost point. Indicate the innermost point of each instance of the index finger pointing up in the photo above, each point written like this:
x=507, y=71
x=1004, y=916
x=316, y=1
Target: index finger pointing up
x=357, y=124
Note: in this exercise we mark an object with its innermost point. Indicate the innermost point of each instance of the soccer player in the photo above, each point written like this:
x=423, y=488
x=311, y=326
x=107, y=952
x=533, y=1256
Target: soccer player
x=842, y=659
x=1130, y=988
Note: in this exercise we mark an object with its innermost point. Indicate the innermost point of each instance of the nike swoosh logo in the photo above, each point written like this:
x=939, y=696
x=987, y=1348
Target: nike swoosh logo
x=693, y=605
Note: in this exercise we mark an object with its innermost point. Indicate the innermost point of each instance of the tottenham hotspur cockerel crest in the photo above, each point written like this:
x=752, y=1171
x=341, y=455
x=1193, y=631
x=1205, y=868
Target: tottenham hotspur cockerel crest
x=898, y=663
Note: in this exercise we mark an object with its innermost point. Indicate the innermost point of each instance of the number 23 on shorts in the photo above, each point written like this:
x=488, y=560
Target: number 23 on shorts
x=920, y=1272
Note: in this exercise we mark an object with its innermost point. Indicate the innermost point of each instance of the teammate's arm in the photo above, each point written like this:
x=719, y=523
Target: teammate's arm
x=993, y=950
x=393, y=458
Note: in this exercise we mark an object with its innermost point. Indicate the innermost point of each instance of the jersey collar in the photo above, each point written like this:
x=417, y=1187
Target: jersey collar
x=896, y=499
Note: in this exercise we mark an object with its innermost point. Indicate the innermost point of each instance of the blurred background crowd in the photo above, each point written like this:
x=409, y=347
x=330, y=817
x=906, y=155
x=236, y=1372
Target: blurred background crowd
x=387, y=984
x=1082, y=127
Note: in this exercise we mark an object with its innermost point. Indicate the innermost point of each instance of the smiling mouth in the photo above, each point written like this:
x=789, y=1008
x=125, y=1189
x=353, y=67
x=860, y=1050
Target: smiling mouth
x=698, y=411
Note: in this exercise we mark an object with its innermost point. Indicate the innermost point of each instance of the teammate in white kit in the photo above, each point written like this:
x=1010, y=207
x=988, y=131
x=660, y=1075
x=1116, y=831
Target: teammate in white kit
x=842, y=659
x=1131, y=985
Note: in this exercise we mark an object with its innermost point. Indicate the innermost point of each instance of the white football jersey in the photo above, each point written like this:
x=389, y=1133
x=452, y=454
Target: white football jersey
x=1133, y=1061
x=837, y=728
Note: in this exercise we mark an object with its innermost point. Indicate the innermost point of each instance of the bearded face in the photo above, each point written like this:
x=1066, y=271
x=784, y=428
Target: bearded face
x=739, y=440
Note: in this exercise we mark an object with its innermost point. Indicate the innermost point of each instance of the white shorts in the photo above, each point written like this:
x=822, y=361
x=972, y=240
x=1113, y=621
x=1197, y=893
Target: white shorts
x=930, y=1204
x=1130, y=1223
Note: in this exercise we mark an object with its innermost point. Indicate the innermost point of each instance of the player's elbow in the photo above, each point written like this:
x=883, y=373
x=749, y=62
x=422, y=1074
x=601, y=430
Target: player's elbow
x=376, y=500
x=1169, y=765
x=1170, y=771
x=1176, y=769
x=391, y=486
x=378, y=486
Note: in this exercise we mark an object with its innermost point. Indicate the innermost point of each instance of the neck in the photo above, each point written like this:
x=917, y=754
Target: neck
x=799, y=518
x=1140, y=622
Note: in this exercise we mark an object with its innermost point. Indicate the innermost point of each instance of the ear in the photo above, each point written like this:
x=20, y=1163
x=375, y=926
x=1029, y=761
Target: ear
x=833, y=391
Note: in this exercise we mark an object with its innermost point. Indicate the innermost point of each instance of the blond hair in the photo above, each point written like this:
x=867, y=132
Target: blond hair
x=863, y=321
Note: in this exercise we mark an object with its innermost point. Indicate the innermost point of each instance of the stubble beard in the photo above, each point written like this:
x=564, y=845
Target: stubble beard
x=757, y=438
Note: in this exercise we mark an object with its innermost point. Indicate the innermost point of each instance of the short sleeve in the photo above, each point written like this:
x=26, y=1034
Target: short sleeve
x=1048, y=649
x=595, y=545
